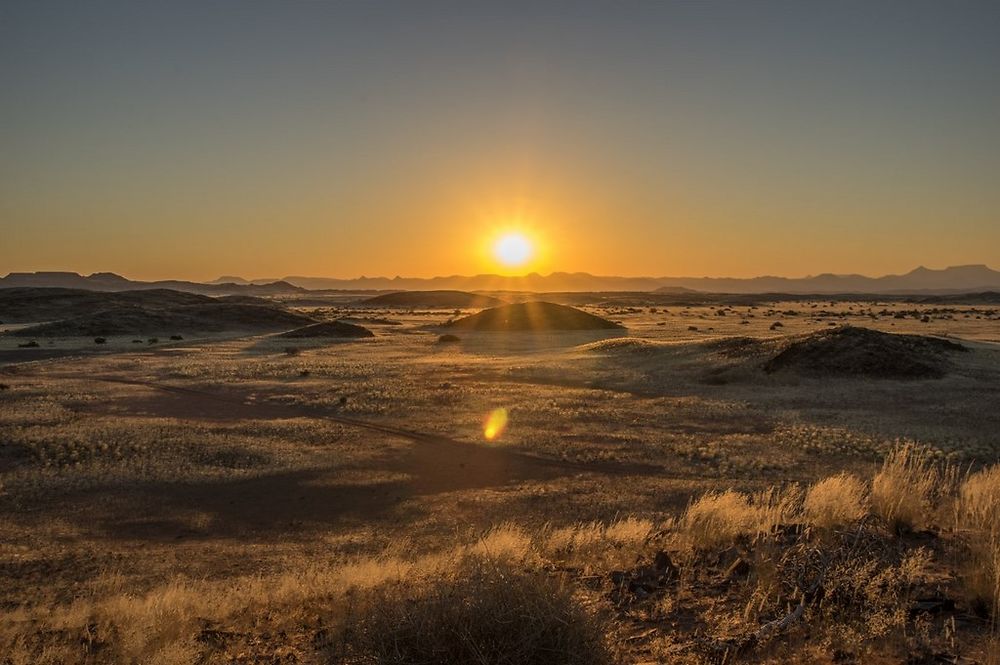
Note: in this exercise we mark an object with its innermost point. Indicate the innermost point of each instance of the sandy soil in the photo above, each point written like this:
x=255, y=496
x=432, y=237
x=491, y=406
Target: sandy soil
x=214, y=457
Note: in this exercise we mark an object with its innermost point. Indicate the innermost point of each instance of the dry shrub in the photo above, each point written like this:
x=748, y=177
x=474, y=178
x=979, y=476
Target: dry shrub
x=978, y=513
x=856, y=587
x=835, y=501
x=485, y=612
x=719, y=518
x=906, y=487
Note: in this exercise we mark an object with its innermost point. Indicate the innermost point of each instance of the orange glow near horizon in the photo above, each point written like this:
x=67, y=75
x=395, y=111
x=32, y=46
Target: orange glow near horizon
x=773, y=144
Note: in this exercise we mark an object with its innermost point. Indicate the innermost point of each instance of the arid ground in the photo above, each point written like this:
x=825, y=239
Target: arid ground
x=245, y=497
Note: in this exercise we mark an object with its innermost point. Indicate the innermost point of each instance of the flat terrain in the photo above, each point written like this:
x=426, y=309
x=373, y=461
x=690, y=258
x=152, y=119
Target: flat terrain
x=223, y=460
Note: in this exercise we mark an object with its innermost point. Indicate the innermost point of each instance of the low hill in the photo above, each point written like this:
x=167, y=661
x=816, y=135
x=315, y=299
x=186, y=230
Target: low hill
x=202, y=317
x=533, y=317
x=983, y=298
x=852, y=351
x=27, y=304
x=445, y=299
x=329, y=330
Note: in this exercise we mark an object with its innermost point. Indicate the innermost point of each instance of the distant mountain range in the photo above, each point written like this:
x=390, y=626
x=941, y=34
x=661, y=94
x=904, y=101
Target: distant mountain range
x=921, y=281
x=957, y=279
x=109, y=281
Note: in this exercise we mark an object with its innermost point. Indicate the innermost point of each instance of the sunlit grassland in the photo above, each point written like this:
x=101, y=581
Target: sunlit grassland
x=250, y=516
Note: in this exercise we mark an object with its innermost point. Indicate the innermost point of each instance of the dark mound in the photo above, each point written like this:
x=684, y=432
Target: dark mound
x=244, y=300
x=450, y=299
x=372, y=320
x=449, y=339
x=329, y=329
x=28, y=304
x=212, y=316
x=738, y=347
x=850, y=351
x=534, y=317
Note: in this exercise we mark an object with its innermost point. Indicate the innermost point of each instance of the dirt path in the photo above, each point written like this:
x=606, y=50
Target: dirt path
x=234, y=406
x=287, y=502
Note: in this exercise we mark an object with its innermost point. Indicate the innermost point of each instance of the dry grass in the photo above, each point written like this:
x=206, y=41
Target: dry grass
x=906, y=488
x=719, y=518
x=978, y=515
x=499, y=598
x=483, y=613
x=513, y=610
x=979, y=501
x=835, y=501
x=506, y=543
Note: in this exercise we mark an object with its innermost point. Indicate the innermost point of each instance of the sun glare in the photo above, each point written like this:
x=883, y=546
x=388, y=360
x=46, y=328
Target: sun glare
x=513, y=249
x=496, y=423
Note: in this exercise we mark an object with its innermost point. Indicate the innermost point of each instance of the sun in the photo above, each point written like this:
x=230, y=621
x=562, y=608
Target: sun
x=513, y=249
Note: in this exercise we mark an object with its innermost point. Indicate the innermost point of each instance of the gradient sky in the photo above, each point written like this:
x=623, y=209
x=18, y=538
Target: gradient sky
x=266, y=139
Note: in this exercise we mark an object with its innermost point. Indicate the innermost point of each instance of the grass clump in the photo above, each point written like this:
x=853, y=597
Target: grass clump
x=835, y=501
x=719, y=518
x=483, y=613
x=905, y=488
x=978, y=516
x=592, y=545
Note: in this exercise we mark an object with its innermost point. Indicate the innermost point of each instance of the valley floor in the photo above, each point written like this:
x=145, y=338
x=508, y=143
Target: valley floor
x=227, y=499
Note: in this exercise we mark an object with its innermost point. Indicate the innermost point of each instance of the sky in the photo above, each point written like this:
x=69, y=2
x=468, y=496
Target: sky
x=264, y=139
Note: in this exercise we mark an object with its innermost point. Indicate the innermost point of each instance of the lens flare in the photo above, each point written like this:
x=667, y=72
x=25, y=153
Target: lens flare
x=495, y=424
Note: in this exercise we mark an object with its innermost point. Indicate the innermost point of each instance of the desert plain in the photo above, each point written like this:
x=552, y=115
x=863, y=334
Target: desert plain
x=746, y=479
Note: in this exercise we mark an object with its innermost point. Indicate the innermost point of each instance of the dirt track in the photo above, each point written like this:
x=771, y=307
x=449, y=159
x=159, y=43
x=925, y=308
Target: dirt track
x=287, y=501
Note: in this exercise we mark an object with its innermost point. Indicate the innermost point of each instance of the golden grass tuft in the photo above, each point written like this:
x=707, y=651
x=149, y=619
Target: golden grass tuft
x=505, y=542
x=835, y=501
x=978, y=516
x=719, y=518
x=905, y=488
x=979, y=501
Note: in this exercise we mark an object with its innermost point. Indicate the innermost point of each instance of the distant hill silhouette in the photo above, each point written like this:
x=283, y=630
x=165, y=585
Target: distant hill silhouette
x=957, y=279
x=106, y=281
x=920, y=281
